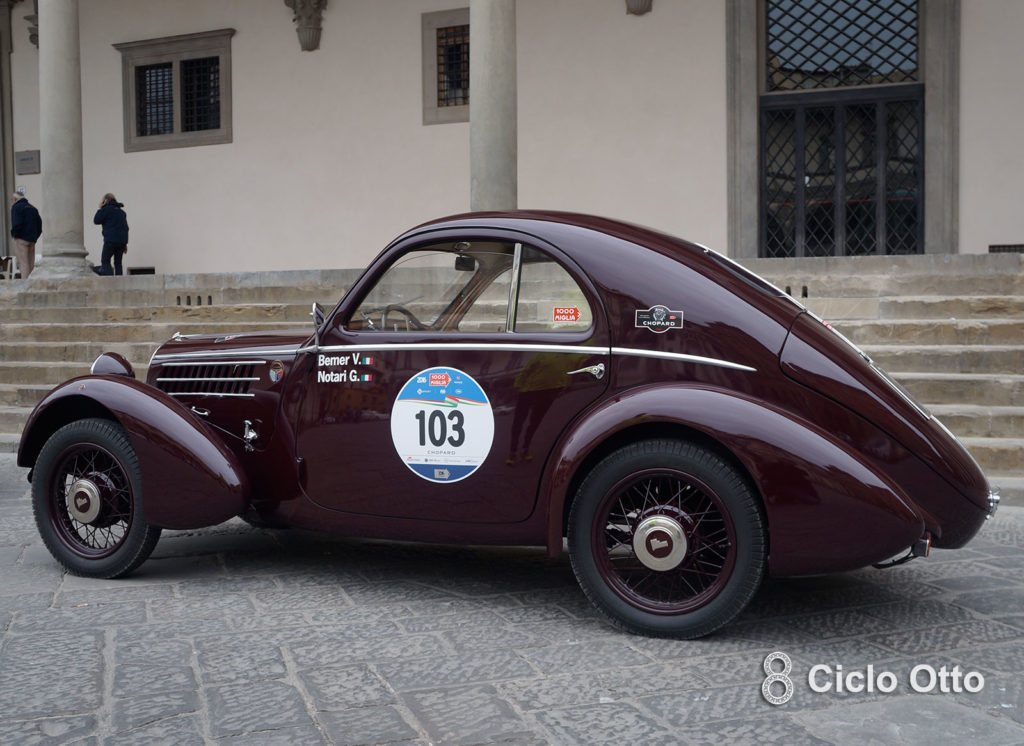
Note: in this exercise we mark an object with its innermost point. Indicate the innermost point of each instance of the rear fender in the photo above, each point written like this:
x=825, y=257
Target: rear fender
x=828, y=508
x=190, y=478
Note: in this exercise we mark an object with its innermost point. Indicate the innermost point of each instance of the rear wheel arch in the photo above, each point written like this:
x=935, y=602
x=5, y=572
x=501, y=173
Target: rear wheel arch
x=676, y=431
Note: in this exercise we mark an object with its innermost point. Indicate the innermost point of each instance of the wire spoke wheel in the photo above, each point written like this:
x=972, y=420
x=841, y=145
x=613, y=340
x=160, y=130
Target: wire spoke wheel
x=667, y=538
x=87, y=472
x=86, y=498
x=665, y=542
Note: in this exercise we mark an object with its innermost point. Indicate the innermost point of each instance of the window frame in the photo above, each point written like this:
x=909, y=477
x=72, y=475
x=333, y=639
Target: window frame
x=175, y=49
x=431, y=22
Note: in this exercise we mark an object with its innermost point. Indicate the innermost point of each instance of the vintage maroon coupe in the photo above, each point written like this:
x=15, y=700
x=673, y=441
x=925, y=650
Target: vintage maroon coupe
x=517, y=378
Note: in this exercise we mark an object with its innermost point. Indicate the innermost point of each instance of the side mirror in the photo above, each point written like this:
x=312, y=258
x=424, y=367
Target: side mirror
x=318, y=321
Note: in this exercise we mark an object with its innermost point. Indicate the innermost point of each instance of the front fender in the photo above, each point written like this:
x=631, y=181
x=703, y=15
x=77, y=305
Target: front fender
x=828, y=508
x=190, y=478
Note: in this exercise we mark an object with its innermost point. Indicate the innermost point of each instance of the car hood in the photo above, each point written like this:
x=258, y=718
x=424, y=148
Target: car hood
x=204, y=346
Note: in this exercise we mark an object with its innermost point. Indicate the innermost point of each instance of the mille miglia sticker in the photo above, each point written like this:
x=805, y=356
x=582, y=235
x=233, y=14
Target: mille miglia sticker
x=659, y=319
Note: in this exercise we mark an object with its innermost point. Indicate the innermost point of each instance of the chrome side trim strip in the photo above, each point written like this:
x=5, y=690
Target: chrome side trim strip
x=193, y=380
x=206, y=393
x=222, y=362
x=193, y=356
x=495, y=346
x=680, y=357
x=453, y=346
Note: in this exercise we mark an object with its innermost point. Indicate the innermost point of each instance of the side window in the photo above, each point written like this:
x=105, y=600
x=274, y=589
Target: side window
x=462, y=286
x=549, y=299
x=467, y=286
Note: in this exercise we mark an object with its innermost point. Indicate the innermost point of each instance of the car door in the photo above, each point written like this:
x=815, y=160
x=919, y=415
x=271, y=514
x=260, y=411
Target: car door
x=438, y=392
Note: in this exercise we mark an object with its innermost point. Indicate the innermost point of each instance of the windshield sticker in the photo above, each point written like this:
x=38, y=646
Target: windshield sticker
x=659, y=319
x=353, y=368
x=566, y=313
x=442, y=425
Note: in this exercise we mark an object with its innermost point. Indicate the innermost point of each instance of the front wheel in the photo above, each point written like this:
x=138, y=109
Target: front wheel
x=86, y=497
x=667, y=539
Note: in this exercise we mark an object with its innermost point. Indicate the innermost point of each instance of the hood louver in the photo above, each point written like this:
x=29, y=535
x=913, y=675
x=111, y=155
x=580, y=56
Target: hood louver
x=215, y=378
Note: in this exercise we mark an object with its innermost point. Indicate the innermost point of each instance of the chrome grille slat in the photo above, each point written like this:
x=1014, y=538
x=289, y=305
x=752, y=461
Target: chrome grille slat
x=213, y=378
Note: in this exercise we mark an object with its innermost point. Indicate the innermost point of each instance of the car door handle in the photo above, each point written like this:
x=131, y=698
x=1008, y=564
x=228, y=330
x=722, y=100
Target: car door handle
x=597, y=371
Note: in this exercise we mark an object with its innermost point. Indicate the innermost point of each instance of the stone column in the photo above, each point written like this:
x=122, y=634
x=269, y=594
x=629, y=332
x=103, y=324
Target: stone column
x=60, y=136
x=492, y=104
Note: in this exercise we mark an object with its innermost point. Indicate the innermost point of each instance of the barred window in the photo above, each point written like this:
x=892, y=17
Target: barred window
x=200, y=94
x=177, y=90
x=453, y=66
x=446, y=66
x=154, y=98
x=841, y=129
x=816, y=44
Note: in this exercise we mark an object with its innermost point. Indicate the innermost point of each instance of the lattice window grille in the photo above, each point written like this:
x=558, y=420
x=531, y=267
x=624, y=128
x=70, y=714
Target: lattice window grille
x=200, y=94
x=837, y=43
x=154, y=96
x=453, y=65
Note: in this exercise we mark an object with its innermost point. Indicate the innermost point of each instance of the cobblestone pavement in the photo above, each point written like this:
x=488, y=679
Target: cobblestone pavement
x=237, y=635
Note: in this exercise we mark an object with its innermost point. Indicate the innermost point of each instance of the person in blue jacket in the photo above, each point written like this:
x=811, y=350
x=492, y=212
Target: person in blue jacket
x=26, y=227
x=115, y=235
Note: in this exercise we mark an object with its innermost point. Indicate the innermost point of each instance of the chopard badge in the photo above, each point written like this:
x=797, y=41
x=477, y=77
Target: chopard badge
x=659, y=319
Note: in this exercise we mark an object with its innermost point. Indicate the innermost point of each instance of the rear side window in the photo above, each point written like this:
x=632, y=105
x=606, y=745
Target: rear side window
x=549, y=298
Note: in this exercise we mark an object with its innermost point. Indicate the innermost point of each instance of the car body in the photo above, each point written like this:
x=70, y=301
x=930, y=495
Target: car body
x=519, y=378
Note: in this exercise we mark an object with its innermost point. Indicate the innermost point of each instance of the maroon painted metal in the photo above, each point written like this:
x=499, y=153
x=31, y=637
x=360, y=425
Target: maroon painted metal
x=848, y=470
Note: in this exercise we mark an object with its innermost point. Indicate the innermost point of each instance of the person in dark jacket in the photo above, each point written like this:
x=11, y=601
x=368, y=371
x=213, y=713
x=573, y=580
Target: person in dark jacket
x=26, y=227
x=115, y=235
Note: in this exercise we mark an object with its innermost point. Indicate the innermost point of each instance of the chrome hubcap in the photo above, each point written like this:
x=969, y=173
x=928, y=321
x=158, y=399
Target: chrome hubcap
x=659, y=542
x=84, y=501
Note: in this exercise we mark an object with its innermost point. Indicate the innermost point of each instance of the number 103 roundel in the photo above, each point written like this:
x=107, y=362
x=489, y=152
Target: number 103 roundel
x=442, y=425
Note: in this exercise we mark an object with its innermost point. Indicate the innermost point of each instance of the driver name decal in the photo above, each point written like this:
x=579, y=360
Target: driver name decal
x=351, y=364
x=442, y=425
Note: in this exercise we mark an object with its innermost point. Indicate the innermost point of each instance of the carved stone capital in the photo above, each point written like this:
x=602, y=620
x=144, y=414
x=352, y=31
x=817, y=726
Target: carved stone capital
x=639, y=7
x=308, y=17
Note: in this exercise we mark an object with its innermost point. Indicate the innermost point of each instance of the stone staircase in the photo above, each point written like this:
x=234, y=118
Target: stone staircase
x=52, y=331
x=949, y=328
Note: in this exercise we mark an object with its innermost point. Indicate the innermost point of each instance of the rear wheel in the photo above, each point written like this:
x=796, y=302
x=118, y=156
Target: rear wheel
x=86, y=496
x=667, y=538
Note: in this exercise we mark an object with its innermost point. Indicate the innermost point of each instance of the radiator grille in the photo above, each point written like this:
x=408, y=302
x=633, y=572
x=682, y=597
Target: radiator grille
x=216, y=378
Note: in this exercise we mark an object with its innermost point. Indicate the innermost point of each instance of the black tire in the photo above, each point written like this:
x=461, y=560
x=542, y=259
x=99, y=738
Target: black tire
x=87, y=500
x=667, y=539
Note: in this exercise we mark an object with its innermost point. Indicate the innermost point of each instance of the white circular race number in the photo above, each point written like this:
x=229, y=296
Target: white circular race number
x=442, y=425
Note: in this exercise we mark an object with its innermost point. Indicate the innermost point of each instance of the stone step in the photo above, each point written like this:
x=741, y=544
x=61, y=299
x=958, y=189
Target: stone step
x=949, y=358
x=991, y=390
x=137, y=353
x=934, y=332
x=22, y=394
x=997, y=455
x=41, y=373
x=276, y=312
x=945, y=307
x=134, y=332
x=293, y=286
x=920, y=307
x=894, y=276
x=976, y=421
x=12, y=419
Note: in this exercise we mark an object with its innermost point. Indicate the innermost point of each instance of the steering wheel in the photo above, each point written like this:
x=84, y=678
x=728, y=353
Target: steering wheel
x=410, y=318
